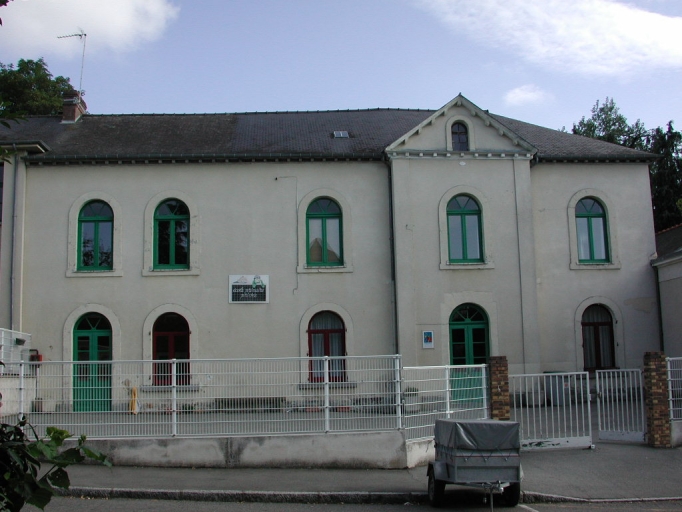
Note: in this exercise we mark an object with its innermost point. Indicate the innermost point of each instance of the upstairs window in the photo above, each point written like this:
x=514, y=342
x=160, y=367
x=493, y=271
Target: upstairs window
x=464, y=230
x=591, y=226
x=95, y=236
x=460, y=137
x=171, y=235
x=323, y=233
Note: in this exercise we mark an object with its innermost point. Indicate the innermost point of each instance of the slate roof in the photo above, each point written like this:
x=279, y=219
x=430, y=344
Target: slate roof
x=267, y=135
x=669, y=244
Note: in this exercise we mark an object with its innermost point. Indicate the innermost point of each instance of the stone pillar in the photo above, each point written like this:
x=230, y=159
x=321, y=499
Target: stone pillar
x=657, y=408
x=499, y=388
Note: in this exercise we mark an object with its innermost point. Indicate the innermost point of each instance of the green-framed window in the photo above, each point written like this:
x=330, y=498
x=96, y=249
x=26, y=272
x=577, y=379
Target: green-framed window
x=460, y=137
x=171, y=235
x=592, y=231
x=324, y=237
x=95, y=236
x=465, y=236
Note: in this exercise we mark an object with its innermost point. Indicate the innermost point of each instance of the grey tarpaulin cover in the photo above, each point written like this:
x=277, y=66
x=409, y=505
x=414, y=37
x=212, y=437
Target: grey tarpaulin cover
x=477, y=435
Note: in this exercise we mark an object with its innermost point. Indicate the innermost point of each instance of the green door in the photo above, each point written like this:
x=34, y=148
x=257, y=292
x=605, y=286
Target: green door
x=92, y=368
x=469, y=345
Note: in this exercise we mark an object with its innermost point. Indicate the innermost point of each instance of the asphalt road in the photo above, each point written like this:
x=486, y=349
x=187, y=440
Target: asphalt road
x=470, y=503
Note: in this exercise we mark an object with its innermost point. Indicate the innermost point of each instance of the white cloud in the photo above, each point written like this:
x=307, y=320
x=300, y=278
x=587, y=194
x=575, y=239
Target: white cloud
x=529, y=94
x=606, y=37
x=30, y=27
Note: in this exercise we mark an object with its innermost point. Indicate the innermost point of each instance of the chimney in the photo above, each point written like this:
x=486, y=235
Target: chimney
x=74, y=107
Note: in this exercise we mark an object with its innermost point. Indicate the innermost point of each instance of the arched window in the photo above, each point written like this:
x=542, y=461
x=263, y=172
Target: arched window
x=170, y=340
x=92, y=372
x=95, y=236
x=327, y=337
x=460, y=137
x=465, y=240
x=324, y=243
x=597, y=325
x=171, y=235
x=592, y=231
x=469, y=339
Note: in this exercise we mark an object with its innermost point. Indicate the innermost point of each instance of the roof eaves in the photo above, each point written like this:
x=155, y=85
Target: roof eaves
x=257, y=156
x=643, y=157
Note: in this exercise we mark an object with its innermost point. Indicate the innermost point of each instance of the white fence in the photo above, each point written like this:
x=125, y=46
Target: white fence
x=675, y=387
x=620, y=405
x=241, y=397
x=436, y=392
x=553, y=409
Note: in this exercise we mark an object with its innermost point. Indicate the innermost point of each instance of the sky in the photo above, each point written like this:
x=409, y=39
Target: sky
x=542, y=61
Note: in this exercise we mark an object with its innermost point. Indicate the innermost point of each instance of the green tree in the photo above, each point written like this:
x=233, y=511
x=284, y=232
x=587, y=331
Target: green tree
x=30, y=89
x=608, y=124
x=3, y=3
x=666, y=176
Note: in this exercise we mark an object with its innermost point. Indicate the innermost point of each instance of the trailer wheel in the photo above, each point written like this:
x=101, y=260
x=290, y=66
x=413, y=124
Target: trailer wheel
x=436, y=491
x=512, y=494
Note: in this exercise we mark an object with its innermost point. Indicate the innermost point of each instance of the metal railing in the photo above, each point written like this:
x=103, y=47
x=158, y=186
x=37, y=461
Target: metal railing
x=116, y=399
x=553, y=409
x=674, y=365
x=436, y=392
x=15, y=346
x=620, y=405
x=211, y=398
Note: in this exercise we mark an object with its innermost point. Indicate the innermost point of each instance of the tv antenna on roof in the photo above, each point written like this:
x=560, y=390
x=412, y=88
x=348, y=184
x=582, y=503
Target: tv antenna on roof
x=83, y=36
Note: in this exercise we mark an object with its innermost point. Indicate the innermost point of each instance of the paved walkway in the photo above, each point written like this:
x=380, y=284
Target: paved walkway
x=609, y=472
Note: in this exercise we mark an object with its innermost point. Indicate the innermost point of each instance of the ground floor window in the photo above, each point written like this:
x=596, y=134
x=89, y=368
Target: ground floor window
x=327, y=337
x=171, y=341
x=92, y=371
x=597, y=326
x=469, y=338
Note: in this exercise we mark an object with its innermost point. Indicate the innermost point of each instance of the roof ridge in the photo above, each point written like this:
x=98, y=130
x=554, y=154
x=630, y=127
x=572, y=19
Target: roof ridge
x=190, y=114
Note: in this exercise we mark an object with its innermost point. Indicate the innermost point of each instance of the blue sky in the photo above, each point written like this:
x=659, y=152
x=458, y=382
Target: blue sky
x=541, y=61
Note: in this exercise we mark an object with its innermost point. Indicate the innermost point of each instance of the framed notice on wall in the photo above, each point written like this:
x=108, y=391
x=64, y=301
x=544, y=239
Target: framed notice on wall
x=427, y=339
x=249, y=289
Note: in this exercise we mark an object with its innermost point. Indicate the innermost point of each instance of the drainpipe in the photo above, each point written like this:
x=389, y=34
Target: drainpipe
x=392, y=251
x=14, y=235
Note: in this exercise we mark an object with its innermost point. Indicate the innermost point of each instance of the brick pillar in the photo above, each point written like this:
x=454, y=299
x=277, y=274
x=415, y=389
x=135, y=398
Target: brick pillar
x=499, y=388
x=656, y=392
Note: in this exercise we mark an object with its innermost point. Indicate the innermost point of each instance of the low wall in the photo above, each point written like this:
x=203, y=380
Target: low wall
x=420, y=453
x=676, y=433
x=370, y=450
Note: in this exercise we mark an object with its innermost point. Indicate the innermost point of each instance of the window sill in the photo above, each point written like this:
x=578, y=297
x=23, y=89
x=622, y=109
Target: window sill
x=614, y=265
x=151, y=272
x=320, y=385
x=467, y=266
x=324, y=270
x=164, y=387
x=94, y=273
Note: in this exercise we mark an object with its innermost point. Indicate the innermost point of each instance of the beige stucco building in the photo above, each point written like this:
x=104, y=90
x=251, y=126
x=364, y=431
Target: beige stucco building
x=446, y=236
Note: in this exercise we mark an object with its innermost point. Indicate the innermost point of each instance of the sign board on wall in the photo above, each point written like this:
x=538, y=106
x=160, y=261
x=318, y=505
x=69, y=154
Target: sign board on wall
x=249, y=289
x=427, y=339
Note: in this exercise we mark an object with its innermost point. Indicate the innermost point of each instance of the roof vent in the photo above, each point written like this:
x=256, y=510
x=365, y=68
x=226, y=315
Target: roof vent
x=340, y=134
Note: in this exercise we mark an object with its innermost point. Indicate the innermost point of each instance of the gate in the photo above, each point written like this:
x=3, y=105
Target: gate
x=620, y=405
x=553, y=409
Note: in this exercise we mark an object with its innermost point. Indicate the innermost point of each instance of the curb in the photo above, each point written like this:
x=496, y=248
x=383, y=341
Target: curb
x=250, y=496
x=389, y=498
